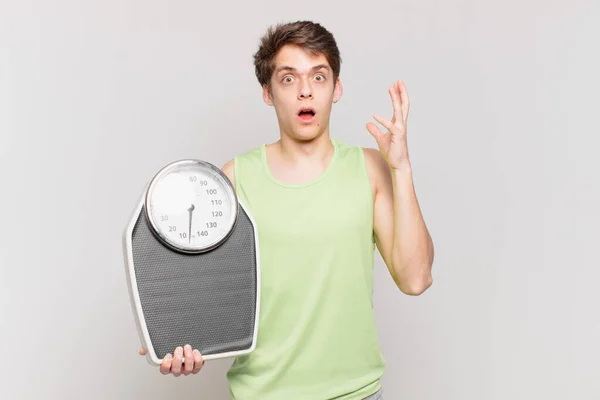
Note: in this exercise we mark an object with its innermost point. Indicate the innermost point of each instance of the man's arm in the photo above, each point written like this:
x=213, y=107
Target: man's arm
x=401, y=235
x=228, y=170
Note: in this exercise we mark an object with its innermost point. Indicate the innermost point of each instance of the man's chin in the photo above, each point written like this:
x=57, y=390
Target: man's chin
x=307, y=135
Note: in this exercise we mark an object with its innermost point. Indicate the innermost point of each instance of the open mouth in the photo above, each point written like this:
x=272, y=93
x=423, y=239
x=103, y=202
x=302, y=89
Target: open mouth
x=306, y=114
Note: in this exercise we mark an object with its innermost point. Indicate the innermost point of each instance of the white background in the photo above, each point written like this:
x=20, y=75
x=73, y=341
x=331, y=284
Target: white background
x=503, y=131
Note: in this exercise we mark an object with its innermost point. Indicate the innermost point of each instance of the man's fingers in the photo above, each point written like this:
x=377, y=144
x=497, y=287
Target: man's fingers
x=177, y=361
x=403, y=99
x=374, y=130
x=184, y=361
x=165, y=366
x=198, y=361
x=387, y=124
x=396, y=101
x=188, y=359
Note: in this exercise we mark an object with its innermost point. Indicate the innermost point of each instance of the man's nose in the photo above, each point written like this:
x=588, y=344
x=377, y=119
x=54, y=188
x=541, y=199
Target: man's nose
x=305, y=91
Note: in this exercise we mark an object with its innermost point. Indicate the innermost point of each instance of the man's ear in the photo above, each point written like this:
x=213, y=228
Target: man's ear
x=337, y=91
x=267, y=95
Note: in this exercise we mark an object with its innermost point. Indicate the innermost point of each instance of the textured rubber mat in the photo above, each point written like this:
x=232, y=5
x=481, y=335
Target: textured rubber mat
x=206, y=300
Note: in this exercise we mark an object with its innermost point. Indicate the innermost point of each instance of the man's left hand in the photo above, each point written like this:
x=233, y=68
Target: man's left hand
x=392, y=144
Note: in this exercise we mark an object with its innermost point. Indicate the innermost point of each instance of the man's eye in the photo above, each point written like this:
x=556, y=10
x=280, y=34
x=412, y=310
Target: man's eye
x=287, y=79
x=320, y=78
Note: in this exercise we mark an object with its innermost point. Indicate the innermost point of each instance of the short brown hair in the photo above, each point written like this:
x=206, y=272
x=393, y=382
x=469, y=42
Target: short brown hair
x=309, y=35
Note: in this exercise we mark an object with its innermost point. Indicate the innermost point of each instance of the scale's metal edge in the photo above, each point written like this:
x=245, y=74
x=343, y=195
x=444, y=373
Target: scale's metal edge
x=135, y=298
x=164, y=171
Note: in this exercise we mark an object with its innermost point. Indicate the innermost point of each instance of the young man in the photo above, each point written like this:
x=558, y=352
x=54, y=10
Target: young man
x=321, y=206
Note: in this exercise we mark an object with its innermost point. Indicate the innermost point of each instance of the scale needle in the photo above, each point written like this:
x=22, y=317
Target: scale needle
x=191, y=209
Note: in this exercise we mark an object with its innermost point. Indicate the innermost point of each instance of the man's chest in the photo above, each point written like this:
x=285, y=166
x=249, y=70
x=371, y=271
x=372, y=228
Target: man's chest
x=311, y=216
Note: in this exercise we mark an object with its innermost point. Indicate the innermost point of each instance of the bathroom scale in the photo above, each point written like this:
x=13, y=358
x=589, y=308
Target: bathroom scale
x=192, y=264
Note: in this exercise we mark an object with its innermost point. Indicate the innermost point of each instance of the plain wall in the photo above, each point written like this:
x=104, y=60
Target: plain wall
x=503, y=132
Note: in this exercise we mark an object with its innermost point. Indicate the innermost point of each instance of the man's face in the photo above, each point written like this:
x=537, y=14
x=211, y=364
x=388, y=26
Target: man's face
x=301, y=81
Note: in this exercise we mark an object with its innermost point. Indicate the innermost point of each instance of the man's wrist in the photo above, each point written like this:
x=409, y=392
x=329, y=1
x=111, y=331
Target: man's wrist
x=402, y=167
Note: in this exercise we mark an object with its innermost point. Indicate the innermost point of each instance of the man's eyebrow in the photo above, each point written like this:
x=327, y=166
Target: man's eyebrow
x=292, y=69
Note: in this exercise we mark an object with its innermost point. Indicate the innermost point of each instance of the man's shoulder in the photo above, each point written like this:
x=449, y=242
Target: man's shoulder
x=373, y=156
x=377, y=167
x=229, y=168
x=369, y=152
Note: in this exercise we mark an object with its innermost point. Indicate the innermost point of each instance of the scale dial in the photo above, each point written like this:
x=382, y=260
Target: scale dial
x=191, y=206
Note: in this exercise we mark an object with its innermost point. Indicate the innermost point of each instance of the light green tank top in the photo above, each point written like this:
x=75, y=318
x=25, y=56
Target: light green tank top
x=317, y=337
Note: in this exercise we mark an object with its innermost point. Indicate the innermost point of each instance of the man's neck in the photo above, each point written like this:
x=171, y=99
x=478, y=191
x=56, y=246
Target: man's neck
x=295, y=152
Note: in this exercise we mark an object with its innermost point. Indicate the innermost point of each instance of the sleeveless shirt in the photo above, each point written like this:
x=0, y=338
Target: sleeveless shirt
x=317, y=337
